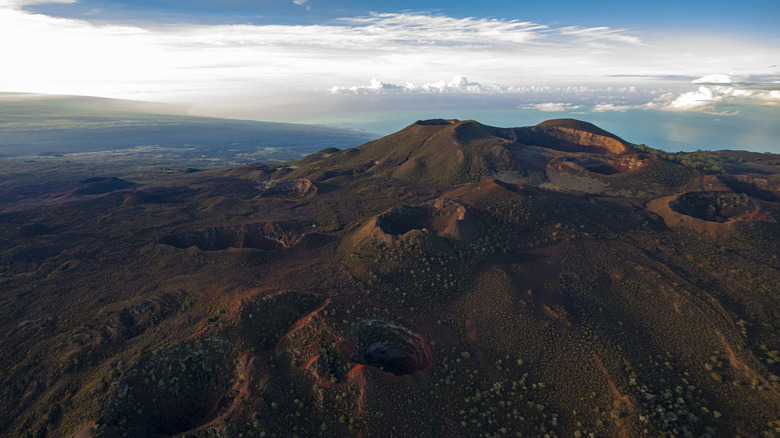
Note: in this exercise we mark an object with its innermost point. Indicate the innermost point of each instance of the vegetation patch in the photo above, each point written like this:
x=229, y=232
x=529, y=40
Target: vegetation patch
x=718, y=206
x=268, y=236
x=170, y=393
x=264, y=321
x=291, y=187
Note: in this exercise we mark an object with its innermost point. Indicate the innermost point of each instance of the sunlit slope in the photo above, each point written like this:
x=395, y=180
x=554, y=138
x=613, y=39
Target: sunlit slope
x=455, y=152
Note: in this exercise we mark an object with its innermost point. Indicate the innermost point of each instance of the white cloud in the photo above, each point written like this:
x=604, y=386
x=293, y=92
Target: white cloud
x=607, y=107
x=56, y=55
x=716, y=78
x=692, y=100
x=374, y=87
x=591, y=34
x=408, y=54
x=459, y=84
x=706, y=99
x=552, y=107
x=20, y=3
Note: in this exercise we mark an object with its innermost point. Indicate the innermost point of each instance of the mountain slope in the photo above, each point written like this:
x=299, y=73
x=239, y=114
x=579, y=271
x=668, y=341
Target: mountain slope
x=454, y=152
x=41, y=124
x=545, y=291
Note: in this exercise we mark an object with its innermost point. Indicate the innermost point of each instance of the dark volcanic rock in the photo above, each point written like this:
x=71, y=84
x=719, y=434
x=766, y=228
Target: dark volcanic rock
x=267, y=236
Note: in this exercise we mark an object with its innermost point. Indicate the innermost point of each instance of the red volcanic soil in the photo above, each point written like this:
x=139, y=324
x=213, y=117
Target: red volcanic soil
x=713, y=213
x=571, y=136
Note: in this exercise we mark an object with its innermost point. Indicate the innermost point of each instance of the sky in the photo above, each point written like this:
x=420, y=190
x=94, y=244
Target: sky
x=374, y=64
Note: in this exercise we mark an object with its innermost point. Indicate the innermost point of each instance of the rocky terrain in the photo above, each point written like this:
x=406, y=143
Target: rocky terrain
x=451, y=279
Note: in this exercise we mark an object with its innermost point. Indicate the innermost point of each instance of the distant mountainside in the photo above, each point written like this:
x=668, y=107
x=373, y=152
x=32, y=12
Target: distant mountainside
x=51, y=125
x=450, y=280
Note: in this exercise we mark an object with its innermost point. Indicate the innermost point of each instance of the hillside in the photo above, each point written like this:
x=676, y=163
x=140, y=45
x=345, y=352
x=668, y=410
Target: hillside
x=452, y=279
x=64, y=139
x=455, y=152
x=42, y=125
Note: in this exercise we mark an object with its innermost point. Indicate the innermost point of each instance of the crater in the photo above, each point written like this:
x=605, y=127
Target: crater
x=173, y=392
x=445, y=218
x=719, y=207
x=268, y=236
x=436, y=122
x=294, y=187
x=390, y=347
x=404, y=218
x=615, y=165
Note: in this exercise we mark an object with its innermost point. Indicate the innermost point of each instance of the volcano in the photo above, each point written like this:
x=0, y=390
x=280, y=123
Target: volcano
x=451, y=279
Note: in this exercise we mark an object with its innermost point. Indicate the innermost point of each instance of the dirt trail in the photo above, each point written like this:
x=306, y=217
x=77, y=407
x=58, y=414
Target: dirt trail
x=738, y=365
x=623, y=402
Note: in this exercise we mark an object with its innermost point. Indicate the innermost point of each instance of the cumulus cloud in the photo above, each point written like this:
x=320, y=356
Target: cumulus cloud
x=374, y=87
x=299, y=2
x=552, y=107
x=459, y=84
x=706, y=99
x=716, y=78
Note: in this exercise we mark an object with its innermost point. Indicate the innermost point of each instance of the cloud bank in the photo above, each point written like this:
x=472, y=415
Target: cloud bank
x=706, y=97
x=459, y=84
x=383, y=55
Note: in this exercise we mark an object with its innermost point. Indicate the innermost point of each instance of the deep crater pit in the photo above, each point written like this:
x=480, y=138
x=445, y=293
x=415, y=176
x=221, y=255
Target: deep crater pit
x=268, y=236
x=404, y=218
x=718, y=206
x=445, y=218
x=390, y=347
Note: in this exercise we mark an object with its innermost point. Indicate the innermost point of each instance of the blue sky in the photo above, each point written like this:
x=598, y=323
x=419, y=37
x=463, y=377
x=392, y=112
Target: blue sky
x=307, y=60
x=751, y=17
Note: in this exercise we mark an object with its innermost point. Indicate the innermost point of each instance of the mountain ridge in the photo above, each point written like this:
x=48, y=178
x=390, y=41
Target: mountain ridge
x=454, y=151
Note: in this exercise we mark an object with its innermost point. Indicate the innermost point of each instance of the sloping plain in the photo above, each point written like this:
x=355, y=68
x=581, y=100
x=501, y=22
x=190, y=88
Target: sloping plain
x=452, y=279
x=51, y=142
x=47, y=125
